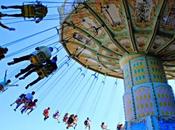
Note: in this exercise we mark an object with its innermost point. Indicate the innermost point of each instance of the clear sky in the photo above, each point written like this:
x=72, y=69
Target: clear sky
x=67, y=90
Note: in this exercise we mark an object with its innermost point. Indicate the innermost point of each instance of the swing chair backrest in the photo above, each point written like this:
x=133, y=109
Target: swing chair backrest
x=34, y=10
x=28, y=11
x=39, y=58
x=41, y=73
x=44, y=71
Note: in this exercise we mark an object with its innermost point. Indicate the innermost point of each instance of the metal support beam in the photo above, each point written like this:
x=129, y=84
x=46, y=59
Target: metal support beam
x=130, y=26
x=167, y=45
x=156, y=27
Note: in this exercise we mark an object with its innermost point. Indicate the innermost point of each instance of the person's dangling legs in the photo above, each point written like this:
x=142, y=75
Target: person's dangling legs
x=23, y=58
x=29, y=67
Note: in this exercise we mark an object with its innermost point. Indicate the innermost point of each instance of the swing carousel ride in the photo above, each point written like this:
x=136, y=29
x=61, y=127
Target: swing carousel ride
x=132, y=40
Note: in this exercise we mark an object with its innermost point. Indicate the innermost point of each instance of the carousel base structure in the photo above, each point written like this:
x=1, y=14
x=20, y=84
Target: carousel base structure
x=149, y=102
x=151, y=123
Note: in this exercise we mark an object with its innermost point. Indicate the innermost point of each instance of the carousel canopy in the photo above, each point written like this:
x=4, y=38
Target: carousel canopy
x=97, y=33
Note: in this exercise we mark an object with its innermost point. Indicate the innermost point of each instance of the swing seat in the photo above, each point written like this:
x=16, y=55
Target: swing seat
x=38, y=59
x=43, y=72
x=28, y=11
x=34, y=11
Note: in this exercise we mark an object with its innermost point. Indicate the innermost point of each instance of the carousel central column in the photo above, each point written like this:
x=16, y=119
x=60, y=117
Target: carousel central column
x=148, y=99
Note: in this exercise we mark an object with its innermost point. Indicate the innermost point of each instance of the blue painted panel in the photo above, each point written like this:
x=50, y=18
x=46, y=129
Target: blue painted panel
x=166, y=125
x=138, y=126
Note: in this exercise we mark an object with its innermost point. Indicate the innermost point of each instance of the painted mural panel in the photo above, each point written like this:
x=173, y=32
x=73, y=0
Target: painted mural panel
x=168, y=19
x=156, y=71
x=127, y=80
x=144, y=11
x=165, y=100
x=144, y=15
x=166, y=124
x=139, y=126
x=112, y=14
x=144, y=101
x=166, y=29
x=128, y=106
x=140, y=73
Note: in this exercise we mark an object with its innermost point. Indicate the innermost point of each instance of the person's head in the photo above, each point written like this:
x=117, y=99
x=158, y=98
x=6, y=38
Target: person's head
x=87, y=118
x=8, y=81
x=102, y=123
x=66, y=114
x=35, y=100
x=33, y=92
x=48, y=108
x=50, y=49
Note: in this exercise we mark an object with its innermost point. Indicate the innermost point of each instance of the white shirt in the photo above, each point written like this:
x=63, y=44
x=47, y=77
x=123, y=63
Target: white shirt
x=43, y=49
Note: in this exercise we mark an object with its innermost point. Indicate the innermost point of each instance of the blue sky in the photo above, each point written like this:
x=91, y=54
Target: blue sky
x=66, y=90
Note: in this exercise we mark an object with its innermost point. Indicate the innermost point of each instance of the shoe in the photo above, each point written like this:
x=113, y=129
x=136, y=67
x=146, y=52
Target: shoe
x=3, y=7
x=27, y=87
x=20, y=78
x=16, y=76
x=10, y=63
x=14, y=109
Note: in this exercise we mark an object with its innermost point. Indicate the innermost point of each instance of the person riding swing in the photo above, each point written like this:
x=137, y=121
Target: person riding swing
x=5, y=84
x=43, y=71
x=36, y=11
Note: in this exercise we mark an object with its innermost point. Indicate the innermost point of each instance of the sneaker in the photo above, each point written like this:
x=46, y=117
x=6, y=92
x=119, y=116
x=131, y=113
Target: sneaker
x=16, y=76
x=26, y=87
x=3, y=7
x=10, y=63
x=20, y=77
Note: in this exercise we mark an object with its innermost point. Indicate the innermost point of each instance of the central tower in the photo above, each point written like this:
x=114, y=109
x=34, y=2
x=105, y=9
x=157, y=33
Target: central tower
x=148, y=99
